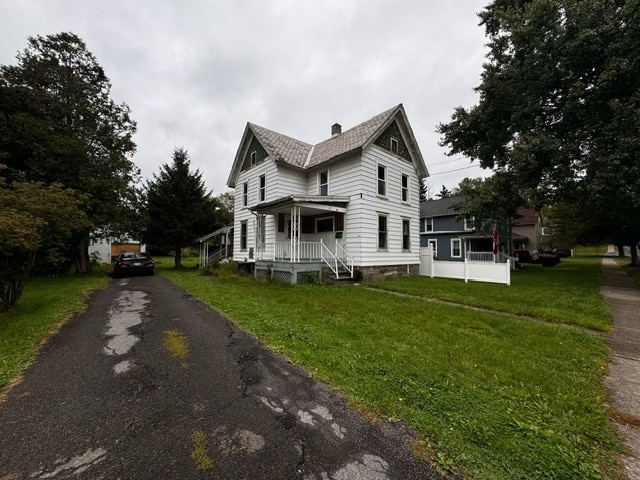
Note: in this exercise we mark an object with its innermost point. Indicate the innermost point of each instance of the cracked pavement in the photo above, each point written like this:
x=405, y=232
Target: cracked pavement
x=105, y=399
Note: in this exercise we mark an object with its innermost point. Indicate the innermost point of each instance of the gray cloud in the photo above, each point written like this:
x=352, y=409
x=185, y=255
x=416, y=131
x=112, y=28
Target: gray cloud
x=194, y=72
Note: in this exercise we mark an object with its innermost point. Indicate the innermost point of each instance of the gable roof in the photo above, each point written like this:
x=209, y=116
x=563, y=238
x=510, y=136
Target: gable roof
x=441, y=207
x=296, y=153
x=281, y=147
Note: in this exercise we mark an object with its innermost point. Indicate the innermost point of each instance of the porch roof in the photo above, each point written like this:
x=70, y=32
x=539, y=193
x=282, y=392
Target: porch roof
x=310, y=204
x=220, y=231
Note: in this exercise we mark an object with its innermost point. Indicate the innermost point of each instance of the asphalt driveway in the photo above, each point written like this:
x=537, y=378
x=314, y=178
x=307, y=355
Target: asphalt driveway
x=108, y=399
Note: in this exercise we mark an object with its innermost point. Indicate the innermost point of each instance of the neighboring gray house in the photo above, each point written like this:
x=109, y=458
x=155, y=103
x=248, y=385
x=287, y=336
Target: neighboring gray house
x=348, y=203
x=452, y=239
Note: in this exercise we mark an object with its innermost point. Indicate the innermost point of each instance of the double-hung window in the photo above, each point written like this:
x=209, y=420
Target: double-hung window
x=456, y=248
x=382, y=232
x=245, y=194
x=405, y=187
x=382, y=180
x=254, y=158
x=243, y=235
x=406, y=234
x=323, y=183
x=426, y=224
x=263, y=188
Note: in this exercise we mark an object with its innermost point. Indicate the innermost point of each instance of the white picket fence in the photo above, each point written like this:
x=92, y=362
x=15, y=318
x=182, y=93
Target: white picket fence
x=479, y=271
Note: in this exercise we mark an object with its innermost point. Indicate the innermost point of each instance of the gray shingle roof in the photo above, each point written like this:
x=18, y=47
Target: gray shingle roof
x=296, y=152
x=284, y=148
x=438, y=208
x=347, y=141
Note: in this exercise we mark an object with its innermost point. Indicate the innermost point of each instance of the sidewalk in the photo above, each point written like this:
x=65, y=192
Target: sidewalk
x=623, y=381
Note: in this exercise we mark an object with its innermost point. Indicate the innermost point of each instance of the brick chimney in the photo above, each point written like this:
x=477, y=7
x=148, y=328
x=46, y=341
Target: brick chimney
x=336, y=129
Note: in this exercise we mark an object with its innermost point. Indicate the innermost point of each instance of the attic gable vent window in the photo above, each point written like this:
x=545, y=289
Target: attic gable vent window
x=253, y=158
x=394, y=145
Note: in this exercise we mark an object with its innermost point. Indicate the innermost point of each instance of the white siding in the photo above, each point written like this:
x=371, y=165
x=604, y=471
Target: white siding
x=364, y=217
x=242, y=213
x=290, y=182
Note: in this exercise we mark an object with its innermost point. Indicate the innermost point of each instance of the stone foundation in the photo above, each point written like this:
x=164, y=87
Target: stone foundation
x=385, y=271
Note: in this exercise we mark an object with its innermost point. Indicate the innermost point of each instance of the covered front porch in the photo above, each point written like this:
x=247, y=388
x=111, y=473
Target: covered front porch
x=216, y=245
x=304, y=234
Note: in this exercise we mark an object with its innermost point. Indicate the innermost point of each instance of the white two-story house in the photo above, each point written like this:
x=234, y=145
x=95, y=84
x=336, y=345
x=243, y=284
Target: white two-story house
x=348, y=206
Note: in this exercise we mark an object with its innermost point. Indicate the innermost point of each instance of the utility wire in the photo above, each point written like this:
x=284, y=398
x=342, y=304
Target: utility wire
x=454, y=170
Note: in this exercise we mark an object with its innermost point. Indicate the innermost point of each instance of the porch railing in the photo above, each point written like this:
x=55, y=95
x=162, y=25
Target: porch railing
x=307, y=251
x=481, y=257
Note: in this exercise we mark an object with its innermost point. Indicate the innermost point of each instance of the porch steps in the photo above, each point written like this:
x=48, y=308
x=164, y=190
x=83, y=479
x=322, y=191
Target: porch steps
x=343, y=277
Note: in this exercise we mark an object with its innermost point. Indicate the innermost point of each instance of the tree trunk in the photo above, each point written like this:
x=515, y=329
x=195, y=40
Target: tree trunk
x=80, y=252
x=634, y=254
x=178, y=257
x=620, y=247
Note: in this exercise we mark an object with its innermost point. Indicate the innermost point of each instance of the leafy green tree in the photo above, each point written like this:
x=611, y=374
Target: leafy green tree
x=558, y=106
x=34, y=219
x=225, y=203
x=178, y=207
x=489, y=201
x=58, y=124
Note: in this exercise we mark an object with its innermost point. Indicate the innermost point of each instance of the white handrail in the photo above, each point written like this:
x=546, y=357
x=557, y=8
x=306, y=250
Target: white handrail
x=346, y=256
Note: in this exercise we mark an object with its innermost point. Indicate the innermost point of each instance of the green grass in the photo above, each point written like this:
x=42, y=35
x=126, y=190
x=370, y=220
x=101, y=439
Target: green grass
x=45, y=304
x=492, y=396
x=567, y=293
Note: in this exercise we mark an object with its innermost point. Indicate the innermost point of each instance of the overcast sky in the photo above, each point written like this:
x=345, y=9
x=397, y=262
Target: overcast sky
x=195, y=72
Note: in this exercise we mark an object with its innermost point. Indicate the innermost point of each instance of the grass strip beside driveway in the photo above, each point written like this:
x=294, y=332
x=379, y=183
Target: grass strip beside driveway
x=568, y=293
x=43, y=307
x=493, y=397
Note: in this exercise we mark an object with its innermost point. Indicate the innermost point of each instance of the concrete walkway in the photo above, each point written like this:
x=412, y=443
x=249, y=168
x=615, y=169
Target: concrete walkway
x=623, y=381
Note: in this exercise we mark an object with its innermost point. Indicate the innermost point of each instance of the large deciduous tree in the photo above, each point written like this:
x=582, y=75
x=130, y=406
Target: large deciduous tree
x=178, y=206
x=34, y=219
x=559, y=106
x=58, y=124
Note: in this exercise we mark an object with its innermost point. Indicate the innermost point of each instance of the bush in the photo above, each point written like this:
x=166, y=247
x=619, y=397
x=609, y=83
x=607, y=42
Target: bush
x=212, y=268
x=215, y=268
x=309, y=277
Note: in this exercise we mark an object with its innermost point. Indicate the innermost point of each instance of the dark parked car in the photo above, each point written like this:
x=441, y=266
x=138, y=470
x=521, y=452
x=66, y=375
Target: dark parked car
x=546, y=259
x=132, y=263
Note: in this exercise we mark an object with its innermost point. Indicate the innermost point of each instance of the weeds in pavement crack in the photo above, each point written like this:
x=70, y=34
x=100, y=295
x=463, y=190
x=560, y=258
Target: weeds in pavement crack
x=176, y=343
x=199, y=453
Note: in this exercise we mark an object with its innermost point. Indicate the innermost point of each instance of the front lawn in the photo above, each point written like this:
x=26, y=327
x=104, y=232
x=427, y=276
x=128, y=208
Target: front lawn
x=492, y=396
x=567, y=293
x=45, y=304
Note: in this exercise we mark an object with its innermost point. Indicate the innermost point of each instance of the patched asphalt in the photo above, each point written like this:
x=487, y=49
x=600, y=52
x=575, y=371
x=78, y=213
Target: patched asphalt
x=105, y=399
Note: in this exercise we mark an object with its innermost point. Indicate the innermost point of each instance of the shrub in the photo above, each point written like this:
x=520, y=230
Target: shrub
x=309, y=277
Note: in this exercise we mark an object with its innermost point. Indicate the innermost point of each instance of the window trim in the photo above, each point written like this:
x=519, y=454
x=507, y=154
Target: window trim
x=262, y=187
x=404, y=189
x=459, y=240
x=406, y=221
x=426, y=222
x=435, y=246
x=393, y=140
x=253, y=158
x=325, y=185
x=467, y=223
x=245, y=194
x=384, y=232
x=333, y=224
x=383, y=180
x=244, y=234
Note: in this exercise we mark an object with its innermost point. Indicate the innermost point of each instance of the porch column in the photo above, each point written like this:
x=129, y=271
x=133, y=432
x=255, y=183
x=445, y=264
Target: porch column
x=295, y=230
